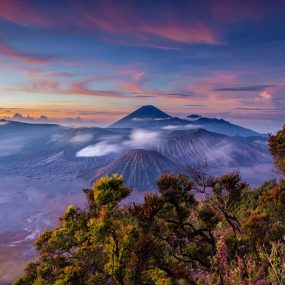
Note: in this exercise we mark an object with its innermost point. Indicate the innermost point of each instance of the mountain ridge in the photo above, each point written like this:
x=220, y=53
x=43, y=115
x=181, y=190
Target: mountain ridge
x=150, y=117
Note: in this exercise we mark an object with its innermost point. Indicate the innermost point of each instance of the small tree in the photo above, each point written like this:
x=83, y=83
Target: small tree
x=227, y=192
x=88, y=246
x=277, y=148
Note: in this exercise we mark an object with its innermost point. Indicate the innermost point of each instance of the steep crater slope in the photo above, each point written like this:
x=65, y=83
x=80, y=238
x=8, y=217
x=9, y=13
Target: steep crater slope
x=140, y=168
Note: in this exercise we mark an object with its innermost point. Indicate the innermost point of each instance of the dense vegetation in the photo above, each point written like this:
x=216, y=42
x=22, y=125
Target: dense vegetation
x=233, y=235
x=277, y=148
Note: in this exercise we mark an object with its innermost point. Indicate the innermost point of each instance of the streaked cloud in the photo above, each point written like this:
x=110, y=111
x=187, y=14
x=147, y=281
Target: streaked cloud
x=28, y=58
x=246, y=88
x=259, y=109
x=114, y=17
x=22, y=13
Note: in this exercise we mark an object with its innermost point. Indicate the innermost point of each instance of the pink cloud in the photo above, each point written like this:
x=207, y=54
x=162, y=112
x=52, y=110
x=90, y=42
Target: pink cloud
x=125, y=18
x=136, y=80
x=132, y=87
x=49, y=86
x=188, y=34
x=114, y=18
x=82, y=88
x=117, y=19
x=23, y=57
x=21, y=12
x=142, y=44
x=43, y=86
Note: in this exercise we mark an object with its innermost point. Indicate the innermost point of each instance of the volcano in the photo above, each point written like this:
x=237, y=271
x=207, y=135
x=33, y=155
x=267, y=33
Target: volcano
x=140, y=168
x=141, y=117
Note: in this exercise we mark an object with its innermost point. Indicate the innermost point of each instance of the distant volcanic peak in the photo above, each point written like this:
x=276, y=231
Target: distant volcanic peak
x=194, y=116
x=149, y=111
x=3, y=122
x=142, y=117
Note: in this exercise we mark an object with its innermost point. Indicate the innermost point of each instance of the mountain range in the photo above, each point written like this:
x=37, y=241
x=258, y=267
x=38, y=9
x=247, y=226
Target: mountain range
x=140, y=146
x=150, y=117
x=43, y=167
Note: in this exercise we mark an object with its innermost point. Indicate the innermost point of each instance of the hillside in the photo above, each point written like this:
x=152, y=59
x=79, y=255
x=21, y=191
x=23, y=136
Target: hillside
x=140, y=168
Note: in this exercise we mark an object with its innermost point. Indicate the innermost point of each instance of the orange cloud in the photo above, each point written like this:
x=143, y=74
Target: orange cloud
x=47, y=86
x=81, y=88
x=265, y=95
x=134, y=85
x=131, y=87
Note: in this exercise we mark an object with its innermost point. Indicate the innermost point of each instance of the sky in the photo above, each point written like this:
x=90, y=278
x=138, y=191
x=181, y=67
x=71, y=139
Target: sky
x=99, y=60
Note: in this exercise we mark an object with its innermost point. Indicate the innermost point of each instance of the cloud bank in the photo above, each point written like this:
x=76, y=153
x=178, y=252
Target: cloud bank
x=139, y=138
x=81, y=138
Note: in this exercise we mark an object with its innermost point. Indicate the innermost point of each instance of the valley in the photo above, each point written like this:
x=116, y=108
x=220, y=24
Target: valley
x=43, y=168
